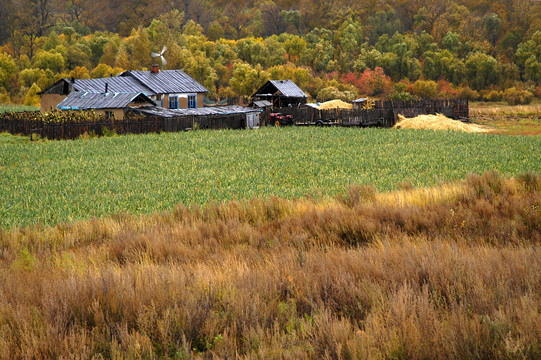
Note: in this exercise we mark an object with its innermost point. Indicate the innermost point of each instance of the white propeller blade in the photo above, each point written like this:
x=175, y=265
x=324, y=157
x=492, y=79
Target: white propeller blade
x=160, y=55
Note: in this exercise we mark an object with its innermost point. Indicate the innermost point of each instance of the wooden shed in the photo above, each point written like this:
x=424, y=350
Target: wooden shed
x=215, y=117
x=281, y=93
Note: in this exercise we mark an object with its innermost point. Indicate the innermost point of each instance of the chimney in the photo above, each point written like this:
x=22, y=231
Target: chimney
x=155, y=68
x=72, y=79
x=106, y=87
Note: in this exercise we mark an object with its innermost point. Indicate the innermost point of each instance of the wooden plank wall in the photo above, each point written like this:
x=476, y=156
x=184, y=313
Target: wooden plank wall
x=75, y=124
x=384, y=113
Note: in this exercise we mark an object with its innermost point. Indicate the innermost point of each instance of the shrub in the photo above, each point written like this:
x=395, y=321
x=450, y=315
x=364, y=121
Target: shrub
x=515, y=96
x=538, y=91
x=329, y=93
x=493, y=95
x=374, y=82
x=446, y=89
x=399, y=92
x=426, y=89
x=32, y=97
x=467, y=93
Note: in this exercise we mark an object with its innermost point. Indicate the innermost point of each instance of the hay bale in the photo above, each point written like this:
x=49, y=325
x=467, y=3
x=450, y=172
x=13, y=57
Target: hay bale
x=335, y=104
x=438, y=122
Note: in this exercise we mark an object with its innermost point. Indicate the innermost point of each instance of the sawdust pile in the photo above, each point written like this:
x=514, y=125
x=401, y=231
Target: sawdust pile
x=438, y=122
x=335, y=104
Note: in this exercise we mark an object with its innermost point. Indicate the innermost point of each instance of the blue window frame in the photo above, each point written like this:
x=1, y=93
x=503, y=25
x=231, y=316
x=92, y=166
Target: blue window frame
x=173, y=102
x=192, y=101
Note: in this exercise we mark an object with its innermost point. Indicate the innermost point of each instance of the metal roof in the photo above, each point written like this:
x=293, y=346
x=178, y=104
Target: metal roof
x=262, y=103
x=81, y=100
x=166, y=81
x=359, y=100
x=115, y=84
x=286, y=87
x=215, y=110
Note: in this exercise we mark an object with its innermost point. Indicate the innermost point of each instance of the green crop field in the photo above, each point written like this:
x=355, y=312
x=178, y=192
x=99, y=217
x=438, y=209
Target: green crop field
x=56, y=181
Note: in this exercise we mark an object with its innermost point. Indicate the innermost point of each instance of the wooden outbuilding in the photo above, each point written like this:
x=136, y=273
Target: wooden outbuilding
x=281, y=93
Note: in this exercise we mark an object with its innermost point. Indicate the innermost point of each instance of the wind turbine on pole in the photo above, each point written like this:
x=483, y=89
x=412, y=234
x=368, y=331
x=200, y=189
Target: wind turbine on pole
x=160, y=55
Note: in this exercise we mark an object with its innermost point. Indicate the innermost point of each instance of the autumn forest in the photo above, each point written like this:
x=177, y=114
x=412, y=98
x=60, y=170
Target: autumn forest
x=399, y=49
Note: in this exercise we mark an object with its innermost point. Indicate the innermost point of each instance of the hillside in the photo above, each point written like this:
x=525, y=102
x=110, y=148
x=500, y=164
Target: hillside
x=398, y=49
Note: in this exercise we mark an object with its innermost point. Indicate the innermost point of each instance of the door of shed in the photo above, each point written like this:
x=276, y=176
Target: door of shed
x=252, y=120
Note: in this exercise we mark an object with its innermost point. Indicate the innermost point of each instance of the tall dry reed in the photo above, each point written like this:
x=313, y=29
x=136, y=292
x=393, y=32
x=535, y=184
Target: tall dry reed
x=448, y=272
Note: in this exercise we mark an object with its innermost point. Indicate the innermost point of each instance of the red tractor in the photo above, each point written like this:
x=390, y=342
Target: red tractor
x=279, y=119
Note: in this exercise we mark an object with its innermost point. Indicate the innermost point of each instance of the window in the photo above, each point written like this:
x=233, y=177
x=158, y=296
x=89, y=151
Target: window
x=173, y=102
x=109, y=115
x=192, y=101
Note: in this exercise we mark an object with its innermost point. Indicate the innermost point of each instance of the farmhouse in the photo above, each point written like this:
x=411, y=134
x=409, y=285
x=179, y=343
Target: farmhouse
x=54, y=94
x=174, y=89
x=281, y=93
x=111, y=104
x=171, y=89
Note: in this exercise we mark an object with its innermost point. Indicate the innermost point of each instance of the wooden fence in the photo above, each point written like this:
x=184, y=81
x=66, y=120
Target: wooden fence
x=452, y=108
x=77, y=124
x=72, y=125
x=385, y=113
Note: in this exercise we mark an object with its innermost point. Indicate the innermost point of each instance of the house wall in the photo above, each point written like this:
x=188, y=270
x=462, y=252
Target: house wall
x=182, y=100
x=119, y=113
x=49, y=101
x=200, y=100
x=165, y=98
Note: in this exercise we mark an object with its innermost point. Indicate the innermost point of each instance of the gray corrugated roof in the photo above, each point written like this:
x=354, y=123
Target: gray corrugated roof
x=262, y=103
x=214, y=110
x=167, y=81
x=116, y=84
x=81, y=100
x=359, y=100
x=287, y=87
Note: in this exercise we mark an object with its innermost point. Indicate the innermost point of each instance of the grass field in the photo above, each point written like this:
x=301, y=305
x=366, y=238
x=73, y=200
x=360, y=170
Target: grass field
x=51, y=182
x=507, y=119
x=16, y=108
x=451, y=272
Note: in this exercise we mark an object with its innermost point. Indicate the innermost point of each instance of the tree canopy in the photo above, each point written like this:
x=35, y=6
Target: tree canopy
x=232, y=47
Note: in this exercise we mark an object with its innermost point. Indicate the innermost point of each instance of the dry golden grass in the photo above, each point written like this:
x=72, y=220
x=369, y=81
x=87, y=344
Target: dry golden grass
x=488, y=109
x=507, y=119
x=438, y=122
x=448, y=272
x=335, y=104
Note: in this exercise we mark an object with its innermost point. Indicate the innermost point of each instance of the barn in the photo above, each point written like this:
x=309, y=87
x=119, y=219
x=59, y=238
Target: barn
x=281, y=93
